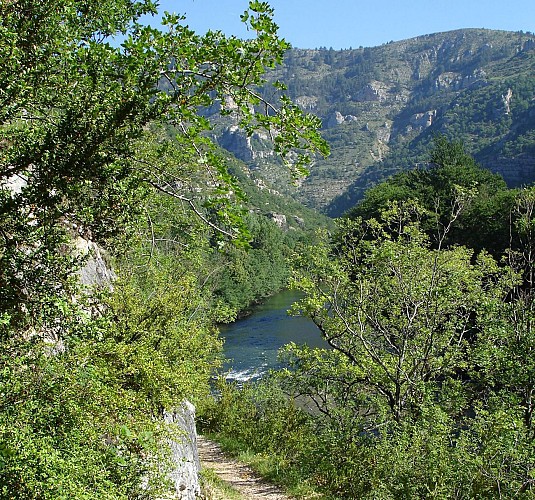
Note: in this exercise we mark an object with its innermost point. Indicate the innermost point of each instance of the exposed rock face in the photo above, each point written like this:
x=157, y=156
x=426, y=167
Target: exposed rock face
x=338, y=118
x=423, y=120
x=461, y=74
x=260, y=184
x=243, y=147
x=307, y=103
x=477, y=79
x=235, y=141
x=95, y=271
x=373, y=92
x=446, y=80
x=279, y=219
x=507, y=101
x=456, y=81
x=334, y=120
x=383, y=133
x=15, y=184
x=185, y=456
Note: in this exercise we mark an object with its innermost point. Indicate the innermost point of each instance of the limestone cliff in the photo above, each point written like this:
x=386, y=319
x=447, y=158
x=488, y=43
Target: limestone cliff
x=381, y=107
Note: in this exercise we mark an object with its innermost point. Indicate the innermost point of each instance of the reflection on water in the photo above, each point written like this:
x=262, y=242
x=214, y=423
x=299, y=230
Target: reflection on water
x=251, y=344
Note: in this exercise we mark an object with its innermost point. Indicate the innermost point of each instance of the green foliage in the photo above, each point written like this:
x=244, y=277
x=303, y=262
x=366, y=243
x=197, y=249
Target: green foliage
x=399, y=311
x=426, y=389
x=242, y=275
x=432, y=457
x=259, y=418
x=248, y=276
x=85, y=373
x=69, y=426
x=452, y=182
x=163, y=337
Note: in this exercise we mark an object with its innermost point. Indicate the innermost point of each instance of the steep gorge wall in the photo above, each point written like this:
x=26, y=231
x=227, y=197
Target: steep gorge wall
x=516, y=171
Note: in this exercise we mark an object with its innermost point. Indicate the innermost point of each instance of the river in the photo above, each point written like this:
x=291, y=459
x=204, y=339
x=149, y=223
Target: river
x=252, y=343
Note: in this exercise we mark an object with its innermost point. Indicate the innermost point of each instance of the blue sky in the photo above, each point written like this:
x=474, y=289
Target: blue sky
x=353, y=23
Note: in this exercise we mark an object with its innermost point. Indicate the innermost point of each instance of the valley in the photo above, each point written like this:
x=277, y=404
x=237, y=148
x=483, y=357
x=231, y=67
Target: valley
x=382, y=106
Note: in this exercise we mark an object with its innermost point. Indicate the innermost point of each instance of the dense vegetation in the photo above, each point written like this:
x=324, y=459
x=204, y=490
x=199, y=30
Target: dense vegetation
x=424, y=294
x=86, y=369
x=425, y=386
x=277, y=227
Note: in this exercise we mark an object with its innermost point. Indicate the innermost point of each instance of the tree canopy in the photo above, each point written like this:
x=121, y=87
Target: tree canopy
x=84, y=148
x=452, y=178
x=425, y=386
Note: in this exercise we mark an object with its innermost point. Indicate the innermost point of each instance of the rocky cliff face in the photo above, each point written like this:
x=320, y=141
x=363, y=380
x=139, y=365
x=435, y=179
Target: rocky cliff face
x=185, y=456
x=95, y=271
x=246, y=148
x=381, y=106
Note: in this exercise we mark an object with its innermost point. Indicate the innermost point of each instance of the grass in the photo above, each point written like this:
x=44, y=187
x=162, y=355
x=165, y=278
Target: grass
x=271, y=467
x=214, y=488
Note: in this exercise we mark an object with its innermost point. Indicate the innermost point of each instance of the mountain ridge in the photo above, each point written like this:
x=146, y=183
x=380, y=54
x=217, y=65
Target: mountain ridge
x=381, y=107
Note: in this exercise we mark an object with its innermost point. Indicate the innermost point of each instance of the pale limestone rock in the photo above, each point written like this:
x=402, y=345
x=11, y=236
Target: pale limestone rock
x=423, y=120
x=372, y=92
x=334, y=120
x=95, y=270
x=185, y=456
x=15, y=184
x=307, y=103
x=507, y=101
x=338, y=118
x=279, y=219
x=244, y=147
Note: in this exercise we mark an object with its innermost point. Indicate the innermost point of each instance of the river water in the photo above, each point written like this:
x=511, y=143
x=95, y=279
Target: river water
x=252, y=343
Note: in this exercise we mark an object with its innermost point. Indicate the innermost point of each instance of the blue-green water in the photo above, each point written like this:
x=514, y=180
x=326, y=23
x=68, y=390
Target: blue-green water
x=251, y=344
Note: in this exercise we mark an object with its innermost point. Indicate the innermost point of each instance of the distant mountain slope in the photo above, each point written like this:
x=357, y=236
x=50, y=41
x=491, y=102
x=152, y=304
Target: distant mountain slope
x=381, y=106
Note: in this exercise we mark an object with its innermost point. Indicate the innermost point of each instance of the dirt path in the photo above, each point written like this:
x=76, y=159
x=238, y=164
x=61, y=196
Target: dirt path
x=237, y=475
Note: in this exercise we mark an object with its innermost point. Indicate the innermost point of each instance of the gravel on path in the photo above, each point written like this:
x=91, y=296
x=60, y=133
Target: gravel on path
x=238, y=475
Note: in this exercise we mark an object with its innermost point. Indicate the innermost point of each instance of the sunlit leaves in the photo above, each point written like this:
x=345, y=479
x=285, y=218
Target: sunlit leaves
x=84, y=380
x=398, y=310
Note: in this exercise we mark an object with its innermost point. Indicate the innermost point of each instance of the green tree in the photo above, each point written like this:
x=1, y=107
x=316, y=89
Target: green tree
x=83, y=148
x=484, y=222
x=75, y=108
x=399, y=312
x=246, y=276
x=504, y=364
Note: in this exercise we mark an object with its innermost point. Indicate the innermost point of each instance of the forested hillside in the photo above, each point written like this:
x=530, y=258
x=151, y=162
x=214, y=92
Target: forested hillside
x=381, y=107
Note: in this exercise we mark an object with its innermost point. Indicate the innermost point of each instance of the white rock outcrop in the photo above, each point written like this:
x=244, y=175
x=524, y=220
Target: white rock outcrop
x=185, y=456
x=373, y=92
x=423, y=120
x=95, y=270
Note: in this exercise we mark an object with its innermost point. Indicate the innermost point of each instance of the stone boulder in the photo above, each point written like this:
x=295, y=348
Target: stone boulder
x=423, y=120
x=95, y=271
x=279, y=219
x=372, y=92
